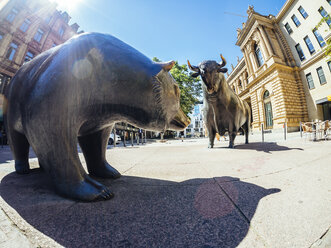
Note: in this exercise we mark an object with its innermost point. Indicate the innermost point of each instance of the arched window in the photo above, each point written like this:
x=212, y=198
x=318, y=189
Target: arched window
x=267, y=109
x=234, y=89
x=258, y=55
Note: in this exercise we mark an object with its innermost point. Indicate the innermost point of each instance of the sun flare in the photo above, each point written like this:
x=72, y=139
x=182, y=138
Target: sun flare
x=67, y=5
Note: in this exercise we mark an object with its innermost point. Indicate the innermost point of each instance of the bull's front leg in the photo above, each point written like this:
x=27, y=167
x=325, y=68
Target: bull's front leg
x=232, y=136
x=211, y=135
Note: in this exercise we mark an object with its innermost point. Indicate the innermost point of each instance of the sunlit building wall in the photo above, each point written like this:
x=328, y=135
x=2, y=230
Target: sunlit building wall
x=27, y=28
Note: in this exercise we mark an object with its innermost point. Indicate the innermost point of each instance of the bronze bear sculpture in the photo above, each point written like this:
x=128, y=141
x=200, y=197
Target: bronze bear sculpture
x=77, y=91
x=223, y=110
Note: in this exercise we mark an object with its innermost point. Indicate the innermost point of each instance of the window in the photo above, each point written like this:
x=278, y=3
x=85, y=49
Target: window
x=325, y=15
x=54, y=44
x=309, y=45
x=234, y=89
x=310, y=81
x=300, y=52
x=38, y=36
x=288, y=28
x=329, y=63
x=240, y=84
x=258, y=55
x=329, y=1
x=48, y=19
x=11, y=16
x=29, y=55
x=61, y=31
x=25, y=25
x=296, y=20
x=318, y=37
x=321, y=75
x=11, y=51
x=303, y=12
x=1, y=36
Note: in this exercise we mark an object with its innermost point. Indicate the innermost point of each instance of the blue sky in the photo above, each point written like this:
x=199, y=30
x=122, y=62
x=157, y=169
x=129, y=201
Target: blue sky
x=171, y=30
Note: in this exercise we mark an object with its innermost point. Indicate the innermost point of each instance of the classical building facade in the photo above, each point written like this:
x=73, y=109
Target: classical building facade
x=271, y=76
x=196, y=127
x=28, y=28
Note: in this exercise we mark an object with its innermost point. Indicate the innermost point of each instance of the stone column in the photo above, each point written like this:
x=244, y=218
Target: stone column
x=248, y=62
x=266, y=39
x=263, y=46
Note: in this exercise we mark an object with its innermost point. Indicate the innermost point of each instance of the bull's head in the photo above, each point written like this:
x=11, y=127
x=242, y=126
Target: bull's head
x=211, y=73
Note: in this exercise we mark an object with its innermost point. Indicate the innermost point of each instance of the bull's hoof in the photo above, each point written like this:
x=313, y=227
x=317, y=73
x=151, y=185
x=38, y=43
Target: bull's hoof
x=22, y=167
x=104, y=170
x=231, y=146
x=210, y=146
x=87, y=190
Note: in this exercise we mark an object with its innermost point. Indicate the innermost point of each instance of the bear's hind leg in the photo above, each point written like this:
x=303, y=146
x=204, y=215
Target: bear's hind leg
x=59, y=158
x=20, y=148
x=94, y=148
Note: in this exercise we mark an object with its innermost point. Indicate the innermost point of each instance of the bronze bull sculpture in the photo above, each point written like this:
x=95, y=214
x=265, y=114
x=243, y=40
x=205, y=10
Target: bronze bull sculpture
x=76, y=92
x=224, y=111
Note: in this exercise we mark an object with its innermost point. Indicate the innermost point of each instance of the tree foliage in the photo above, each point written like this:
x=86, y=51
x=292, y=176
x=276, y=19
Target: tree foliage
x=328, y=41
x=190, y=88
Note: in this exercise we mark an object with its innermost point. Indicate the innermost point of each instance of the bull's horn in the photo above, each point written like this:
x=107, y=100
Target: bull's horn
x=223, y=61
x=168, y=65
x=193, y=68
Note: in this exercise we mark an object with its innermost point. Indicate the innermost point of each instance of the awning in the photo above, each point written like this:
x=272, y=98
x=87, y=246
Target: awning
x=324, y=100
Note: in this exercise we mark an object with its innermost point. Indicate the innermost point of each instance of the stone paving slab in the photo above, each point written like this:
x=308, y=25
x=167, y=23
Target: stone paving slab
x=181, y=194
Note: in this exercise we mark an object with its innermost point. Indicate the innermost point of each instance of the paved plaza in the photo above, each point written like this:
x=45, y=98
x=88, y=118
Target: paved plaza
x=181, y=194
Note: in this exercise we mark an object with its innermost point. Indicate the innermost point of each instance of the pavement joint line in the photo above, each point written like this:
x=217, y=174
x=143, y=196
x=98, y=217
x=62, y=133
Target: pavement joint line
x=320, y=239
x=23, y=232
x=137, y=163
x=308, y=163
x=233, y=203
x=240, y=211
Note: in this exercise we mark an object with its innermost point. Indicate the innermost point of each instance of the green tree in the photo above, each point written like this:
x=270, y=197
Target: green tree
x=328, y=41
x=190, y=88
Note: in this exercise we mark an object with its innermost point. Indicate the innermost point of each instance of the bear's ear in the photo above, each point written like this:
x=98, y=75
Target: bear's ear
x=167, y=65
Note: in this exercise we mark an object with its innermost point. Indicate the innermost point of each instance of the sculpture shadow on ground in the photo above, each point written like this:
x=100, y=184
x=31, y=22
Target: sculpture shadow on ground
x=145, y=212
x=263, y=147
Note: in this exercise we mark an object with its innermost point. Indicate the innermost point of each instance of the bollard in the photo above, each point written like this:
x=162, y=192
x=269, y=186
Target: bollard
x=138, y=139
x=124, y=140
x=285, y=130
x=131, y=138
x=145, y=137
x=262, y=131
x=301, y=129
x=114, y=132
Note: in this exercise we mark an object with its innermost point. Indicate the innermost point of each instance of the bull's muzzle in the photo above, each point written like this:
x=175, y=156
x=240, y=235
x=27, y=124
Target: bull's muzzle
x=180, y=121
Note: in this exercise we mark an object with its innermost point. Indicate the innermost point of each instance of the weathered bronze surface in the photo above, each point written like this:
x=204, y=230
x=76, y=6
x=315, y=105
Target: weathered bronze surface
x=224, y=110
x=76, y=92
